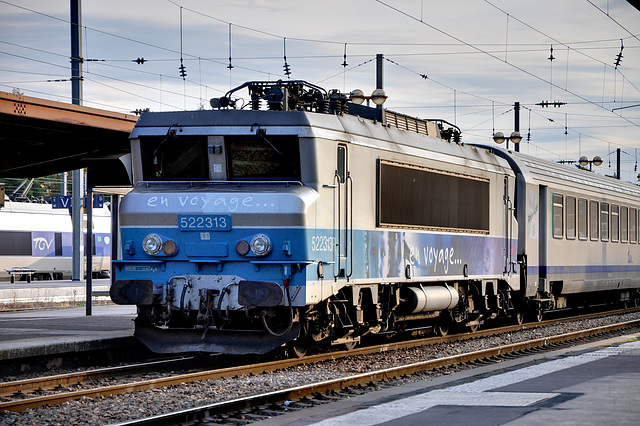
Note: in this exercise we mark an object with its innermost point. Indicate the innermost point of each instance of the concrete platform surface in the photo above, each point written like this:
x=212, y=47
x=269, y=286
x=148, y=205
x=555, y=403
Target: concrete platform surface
x=593, y=384
x=52, y=331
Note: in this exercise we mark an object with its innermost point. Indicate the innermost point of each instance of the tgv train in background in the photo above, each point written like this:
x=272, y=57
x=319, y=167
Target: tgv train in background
x=299, y=217
x=35, y=236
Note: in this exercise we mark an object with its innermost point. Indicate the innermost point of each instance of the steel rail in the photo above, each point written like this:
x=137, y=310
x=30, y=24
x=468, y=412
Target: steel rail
x=198, y=413
x=34, y=402
x=50, y=382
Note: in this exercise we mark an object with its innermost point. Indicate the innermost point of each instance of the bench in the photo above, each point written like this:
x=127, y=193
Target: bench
x=20, y=270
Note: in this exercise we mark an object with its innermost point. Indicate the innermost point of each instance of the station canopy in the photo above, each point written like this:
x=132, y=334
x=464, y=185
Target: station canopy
x=40, y=137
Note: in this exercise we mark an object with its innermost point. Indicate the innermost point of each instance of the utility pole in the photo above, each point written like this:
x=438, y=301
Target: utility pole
x=379, y=73
x=76, y=99
x=76, y=177
x=516, y=124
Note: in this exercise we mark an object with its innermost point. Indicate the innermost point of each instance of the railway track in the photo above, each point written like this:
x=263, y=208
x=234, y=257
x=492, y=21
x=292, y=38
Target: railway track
x=259, y=407
x=32, y=393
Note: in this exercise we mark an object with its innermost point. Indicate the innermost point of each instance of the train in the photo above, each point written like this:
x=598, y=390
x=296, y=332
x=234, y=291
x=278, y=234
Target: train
x=294, y=216
x=36, y=241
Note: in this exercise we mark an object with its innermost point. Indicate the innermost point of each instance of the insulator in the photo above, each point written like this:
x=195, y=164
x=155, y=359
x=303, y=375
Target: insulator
x=344, y=105
x=334, y=106
x=334, y=102
x=323, y=106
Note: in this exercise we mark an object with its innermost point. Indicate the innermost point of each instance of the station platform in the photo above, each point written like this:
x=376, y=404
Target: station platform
x=55, y=293
x=591, y=384
x=45, y=318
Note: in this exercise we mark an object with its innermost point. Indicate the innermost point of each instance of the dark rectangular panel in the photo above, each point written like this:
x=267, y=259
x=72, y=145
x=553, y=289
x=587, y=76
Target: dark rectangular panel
x=15, y=243
x=412, y=196
x=58, y=243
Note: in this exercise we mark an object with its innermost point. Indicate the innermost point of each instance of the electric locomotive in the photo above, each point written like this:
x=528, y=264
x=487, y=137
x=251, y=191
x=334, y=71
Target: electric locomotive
x=296, y=217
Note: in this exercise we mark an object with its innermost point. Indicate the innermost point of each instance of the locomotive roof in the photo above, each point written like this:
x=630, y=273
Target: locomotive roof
x=303, y=109
x=347, y=128
x=291, y=96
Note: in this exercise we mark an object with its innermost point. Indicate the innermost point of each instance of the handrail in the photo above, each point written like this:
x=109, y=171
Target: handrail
x=349, y=224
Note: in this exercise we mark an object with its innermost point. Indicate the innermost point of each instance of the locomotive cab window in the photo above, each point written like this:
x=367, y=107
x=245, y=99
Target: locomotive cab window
x=558, y=215
x=263, y=157
x=173, y=157
x=342, y=163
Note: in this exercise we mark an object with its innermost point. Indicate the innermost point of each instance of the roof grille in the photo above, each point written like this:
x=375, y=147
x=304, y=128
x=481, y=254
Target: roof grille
x=412, y=124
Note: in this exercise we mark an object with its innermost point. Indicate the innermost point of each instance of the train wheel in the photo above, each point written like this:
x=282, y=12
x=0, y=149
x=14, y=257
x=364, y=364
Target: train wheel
x=474, y=327
x=349, y=346
x=518, y=317
x=539, y=315
x=298, y=348
x=442, y=327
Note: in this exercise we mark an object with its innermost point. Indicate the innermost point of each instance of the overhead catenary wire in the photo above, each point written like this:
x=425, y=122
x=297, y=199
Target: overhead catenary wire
x=517, y=67
x=433, y=78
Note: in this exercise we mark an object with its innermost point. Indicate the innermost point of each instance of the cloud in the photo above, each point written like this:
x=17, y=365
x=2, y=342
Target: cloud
x=480, y=58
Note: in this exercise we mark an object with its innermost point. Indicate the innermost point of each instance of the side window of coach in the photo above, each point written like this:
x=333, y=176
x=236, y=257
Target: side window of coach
x=594, y=216
x=558, y=215
x=571, y=218
x=624, y=224
x=604, y=221
x=615, y=223
x=633, y=225
x=582, y=219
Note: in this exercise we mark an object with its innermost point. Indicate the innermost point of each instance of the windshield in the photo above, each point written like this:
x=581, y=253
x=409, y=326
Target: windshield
x=247, y=158
x=263, y=157
x=174, y=158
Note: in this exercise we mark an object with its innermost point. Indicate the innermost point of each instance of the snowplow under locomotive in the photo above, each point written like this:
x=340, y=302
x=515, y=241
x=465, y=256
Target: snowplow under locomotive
x=306, y=218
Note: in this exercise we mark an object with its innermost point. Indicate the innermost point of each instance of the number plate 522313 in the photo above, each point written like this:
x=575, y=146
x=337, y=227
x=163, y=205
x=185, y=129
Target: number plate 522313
x=204, y=222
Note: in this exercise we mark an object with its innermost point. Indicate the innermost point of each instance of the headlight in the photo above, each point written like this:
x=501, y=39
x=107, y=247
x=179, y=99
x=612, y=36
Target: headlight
x=152, y=244
x=260, y=245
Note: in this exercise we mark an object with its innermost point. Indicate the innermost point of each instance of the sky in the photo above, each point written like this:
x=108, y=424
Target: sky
x=464, y=61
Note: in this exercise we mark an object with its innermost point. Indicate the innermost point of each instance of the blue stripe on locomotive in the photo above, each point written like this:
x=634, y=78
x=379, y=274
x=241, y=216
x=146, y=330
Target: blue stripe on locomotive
x=385, y=253
x=376, y=254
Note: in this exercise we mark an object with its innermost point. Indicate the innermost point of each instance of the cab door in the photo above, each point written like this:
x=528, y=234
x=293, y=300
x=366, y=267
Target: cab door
x=343, y=216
